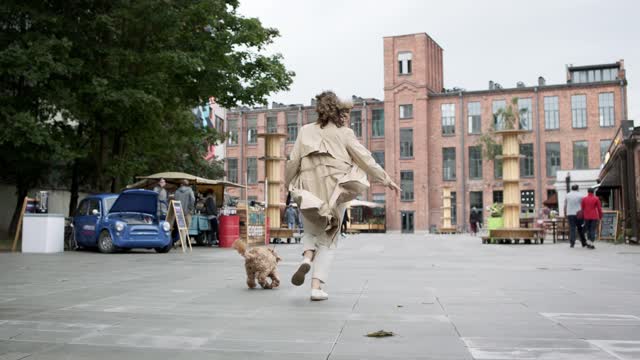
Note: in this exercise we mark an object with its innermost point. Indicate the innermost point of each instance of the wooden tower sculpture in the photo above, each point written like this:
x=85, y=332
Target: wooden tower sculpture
x=511, y=177
x=273, y=163
x=447, y=227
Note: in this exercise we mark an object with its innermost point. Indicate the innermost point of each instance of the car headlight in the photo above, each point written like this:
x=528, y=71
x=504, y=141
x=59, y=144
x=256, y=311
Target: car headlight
x=166, y=226
x=120, y=226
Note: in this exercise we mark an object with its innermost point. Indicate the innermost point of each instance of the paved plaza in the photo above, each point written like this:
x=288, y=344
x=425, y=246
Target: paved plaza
x=445, y=297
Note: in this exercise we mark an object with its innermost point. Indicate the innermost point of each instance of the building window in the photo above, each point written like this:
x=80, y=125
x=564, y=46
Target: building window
x=406, y=143
x=604, y=147
x=219, y=125
x=526, y=117
x=498, y=120
x=449, y=163
x=594, y=75
x=475, y=117
x=580, y=155
x=378, y=156
x=406, y=111
x=377, y=122
x=552, y=152
x=232, y=170
x=497, y=164
x=475, y=162
x=292, y=127
x=526, y=160
x=312, y=117
x=378, y=199
x=454, y=209
x=272, y=124
x=252, y=130
x=551, y=113
x=579, y=111
x=498, y=197
x=232, y=129
x=605, y=106
x=448, y=112
x=404, y=63
x=356, y=122
x=476, y=201
x=527, y=202
x=406, y=184
x=252, y=170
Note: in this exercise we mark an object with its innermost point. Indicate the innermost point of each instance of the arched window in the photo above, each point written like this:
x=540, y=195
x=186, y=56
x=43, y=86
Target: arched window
x=404, y=63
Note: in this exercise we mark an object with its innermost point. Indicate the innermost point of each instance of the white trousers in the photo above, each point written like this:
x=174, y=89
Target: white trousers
x=316, y=240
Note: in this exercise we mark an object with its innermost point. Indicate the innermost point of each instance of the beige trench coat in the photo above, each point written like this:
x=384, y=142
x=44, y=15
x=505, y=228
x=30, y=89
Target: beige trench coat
x=328, y=167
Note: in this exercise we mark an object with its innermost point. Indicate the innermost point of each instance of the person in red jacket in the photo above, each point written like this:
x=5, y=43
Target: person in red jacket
x=592, y=213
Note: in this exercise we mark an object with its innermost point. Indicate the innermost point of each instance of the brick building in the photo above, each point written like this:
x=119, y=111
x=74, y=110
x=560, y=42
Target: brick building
x=426, y=136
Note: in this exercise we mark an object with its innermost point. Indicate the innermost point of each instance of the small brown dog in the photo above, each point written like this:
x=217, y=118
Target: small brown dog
x=260, y=263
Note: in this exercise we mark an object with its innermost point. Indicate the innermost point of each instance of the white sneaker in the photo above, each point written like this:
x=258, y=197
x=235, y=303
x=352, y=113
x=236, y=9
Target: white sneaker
x=318, y=295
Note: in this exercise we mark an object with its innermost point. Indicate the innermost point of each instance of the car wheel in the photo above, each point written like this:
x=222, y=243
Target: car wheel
x=163, y=250
x=105, y=243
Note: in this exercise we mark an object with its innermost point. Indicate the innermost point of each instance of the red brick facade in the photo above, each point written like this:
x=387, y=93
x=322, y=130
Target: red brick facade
x=422, y=88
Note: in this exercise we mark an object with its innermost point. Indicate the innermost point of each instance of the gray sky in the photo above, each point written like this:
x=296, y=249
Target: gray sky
x=337, y=45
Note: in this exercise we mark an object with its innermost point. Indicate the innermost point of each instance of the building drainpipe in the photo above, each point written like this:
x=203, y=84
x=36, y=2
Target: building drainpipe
x=365, y=137
x=244, y=190
x=631, y=188
x=538, y=163
x=463, y=195
x=623, y=94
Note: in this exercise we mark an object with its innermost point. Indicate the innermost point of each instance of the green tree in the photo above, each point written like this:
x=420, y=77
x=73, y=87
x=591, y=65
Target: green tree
x=33, y=69
x=121, y=77
x=145, y=61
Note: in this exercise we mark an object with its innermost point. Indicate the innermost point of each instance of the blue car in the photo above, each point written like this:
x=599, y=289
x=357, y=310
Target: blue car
x=114, y=222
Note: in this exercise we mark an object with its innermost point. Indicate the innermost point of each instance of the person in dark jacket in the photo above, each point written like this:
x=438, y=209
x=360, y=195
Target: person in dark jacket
x=592, y=213
x=474, y=219
x=211, y=210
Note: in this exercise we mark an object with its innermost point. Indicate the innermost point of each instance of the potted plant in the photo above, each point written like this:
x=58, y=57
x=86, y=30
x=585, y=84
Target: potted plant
x=495, y=220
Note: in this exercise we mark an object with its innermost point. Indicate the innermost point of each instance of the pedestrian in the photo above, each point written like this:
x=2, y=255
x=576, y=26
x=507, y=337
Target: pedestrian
x=575, y=218
x=592, y=213
x=163, y=198
x=473, y=220
x=290, y=216
x=345, y=223
x=187, y=199
x=211, y=210
x=327, y=169
x=299, y=220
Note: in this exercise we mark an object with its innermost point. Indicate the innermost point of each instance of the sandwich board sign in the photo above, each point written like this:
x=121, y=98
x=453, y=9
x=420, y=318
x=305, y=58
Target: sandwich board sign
x=176, y=215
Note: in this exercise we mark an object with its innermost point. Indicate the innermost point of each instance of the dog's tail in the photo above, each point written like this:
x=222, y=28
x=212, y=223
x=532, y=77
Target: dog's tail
x=241, y=246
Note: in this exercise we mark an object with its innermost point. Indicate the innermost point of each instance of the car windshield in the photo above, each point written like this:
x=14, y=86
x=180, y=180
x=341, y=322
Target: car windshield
x=109, y=202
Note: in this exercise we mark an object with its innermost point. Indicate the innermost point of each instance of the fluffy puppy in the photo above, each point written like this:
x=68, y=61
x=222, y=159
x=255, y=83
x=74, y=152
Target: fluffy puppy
x=260, y=263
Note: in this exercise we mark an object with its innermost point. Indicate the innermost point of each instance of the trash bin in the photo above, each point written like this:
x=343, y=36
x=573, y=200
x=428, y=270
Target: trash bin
x=43, y=233
x=228, y=230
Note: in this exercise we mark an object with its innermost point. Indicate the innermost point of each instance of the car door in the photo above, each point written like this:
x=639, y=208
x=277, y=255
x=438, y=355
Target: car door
x=86, y=221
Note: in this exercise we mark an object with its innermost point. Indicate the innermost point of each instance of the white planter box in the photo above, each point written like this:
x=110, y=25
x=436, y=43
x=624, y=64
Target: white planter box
x=43, y=233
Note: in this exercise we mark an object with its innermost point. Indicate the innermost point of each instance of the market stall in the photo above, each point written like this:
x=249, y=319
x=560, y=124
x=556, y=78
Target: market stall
x=366, y=216
x=228, y=220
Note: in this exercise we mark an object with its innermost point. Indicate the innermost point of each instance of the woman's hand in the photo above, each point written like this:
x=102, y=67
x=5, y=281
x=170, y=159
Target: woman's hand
x=393, y=186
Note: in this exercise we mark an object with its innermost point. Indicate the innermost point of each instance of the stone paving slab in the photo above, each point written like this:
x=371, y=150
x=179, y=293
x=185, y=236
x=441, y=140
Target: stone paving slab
x=445, y=297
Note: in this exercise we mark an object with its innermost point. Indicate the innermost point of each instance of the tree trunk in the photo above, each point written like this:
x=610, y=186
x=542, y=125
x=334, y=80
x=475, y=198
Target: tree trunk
x=75, y=184
x=103, y=156
x=22, y=192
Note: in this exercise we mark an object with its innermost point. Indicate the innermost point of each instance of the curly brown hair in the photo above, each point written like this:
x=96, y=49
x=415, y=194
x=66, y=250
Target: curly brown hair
x=331, y=109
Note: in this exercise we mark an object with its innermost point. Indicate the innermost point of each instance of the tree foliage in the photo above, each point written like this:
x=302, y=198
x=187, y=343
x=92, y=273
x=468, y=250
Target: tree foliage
x=503, y=119
x=119, y=77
